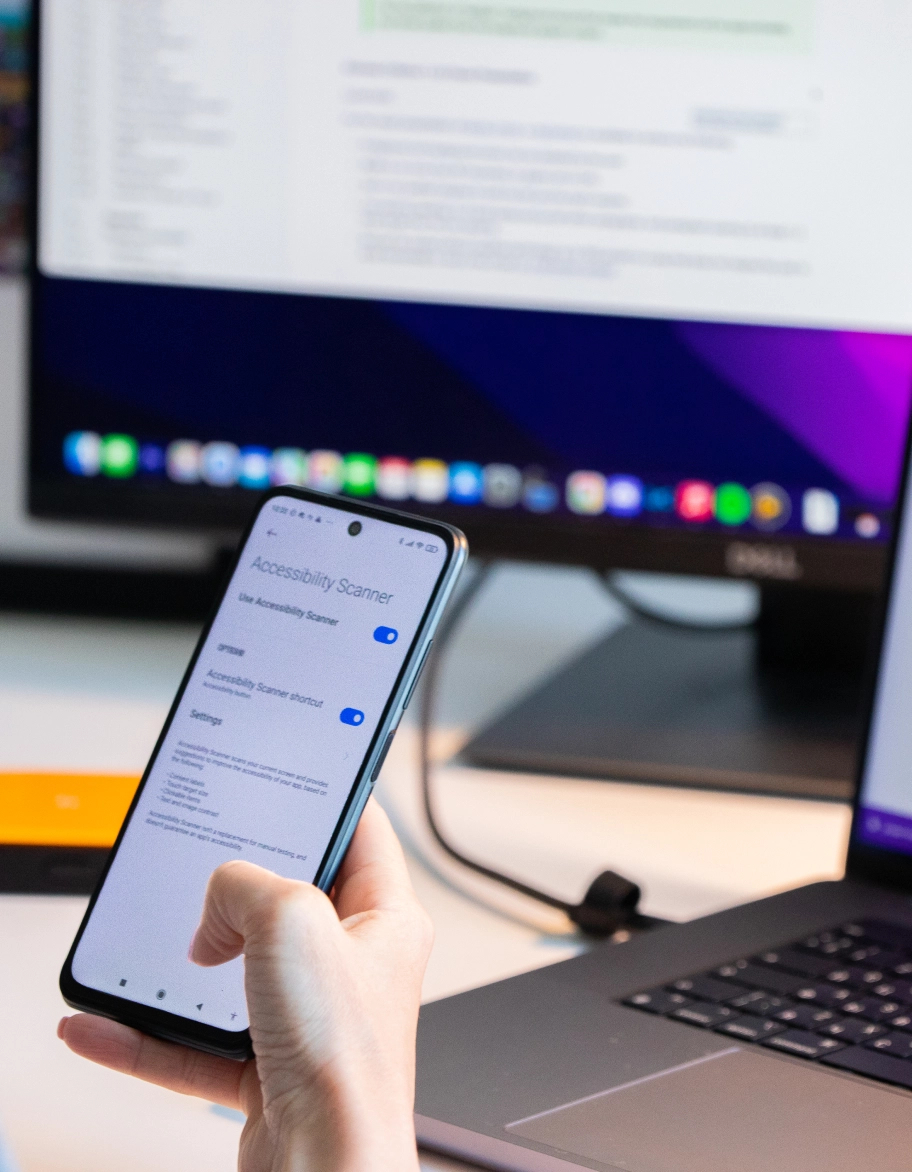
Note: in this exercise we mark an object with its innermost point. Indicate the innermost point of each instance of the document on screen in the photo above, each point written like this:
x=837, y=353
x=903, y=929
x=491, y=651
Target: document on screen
x=722, y=159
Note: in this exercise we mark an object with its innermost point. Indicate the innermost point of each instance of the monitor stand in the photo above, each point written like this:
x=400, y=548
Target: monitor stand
x=775, y=709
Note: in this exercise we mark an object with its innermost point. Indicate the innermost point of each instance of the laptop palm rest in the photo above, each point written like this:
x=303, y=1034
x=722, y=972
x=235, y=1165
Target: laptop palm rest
x=733, y=1111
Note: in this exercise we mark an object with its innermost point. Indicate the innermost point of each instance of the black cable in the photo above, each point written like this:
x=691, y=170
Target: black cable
x=636, y=608
x=611, y=901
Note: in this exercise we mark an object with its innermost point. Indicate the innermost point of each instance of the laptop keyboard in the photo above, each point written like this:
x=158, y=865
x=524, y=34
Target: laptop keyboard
x=841, y=997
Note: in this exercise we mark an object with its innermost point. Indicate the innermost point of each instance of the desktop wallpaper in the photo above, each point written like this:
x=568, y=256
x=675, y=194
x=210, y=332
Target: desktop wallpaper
x=654, y=400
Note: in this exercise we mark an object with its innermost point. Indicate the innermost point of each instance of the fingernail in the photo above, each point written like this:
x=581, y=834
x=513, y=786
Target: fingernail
x=192, y=943
x=61, y=1026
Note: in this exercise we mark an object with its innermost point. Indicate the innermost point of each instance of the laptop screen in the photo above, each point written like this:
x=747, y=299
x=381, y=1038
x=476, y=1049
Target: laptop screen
x=884, y=817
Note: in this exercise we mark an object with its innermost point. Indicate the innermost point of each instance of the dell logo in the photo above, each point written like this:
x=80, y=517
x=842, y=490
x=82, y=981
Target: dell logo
x=762, y=561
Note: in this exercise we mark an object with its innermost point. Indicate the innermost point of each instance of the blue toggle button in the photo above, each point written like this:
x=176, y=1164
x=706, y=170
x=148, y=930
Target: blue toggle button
x=386, y=635
x=351, y=716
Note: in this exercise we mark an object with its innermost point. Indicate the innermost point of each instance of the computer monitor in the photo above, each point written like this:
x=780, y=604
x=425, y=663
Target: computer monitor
x=627, y=286
x=13, y=135
x=624, y=285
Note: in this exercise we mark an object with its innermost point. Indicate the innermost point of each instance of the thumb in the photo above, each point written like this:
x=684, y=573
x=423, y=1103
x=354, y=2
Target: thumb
x=239, y=898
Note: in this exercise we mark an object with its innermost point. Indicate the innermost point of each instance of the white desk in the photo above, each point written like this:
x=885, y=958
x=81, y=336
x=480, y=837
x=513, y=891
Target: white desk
x=91, y=696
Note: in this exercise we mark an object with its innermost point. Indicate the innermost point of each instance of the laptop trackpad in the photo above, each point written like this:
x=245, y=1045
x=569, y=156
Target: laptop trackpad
x=735, y=1111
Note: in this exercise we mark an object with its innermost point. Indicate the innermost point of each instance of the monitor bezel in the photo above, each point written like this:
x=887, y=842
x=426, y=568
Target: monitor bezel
x=600, y=543
x=605, y=544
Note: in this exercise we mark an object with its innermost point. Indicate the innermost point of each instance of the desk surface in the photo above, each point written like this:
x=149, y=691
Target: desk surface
x=91, y=696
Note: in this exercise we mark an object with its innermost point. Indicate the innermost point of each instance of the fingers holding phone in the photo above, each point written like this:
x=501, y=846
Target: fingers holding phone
x=267, y=760
x=333, y=991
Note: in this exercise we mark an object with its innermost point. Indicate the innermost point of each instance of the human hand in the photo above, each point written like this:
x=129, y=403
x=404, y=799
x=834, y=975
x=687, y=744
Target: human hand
x=333, y=989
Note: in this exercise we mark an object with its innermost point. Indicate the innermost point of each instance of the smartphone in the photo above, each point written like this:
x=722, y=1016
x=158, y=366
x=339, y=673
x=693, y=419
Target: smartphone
x=270, y=751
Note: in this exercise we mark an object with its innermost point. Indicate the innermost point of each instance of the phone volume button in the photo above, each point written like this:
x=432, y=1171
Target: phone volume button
x=382, y=757
x=414, y=684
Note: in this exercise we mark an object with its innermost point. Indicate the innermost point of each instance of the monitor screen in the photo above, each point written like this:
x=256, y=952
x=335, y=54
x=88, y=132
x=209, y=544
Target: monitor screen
x=884, y=815
x=626, y=283
x=14, y=131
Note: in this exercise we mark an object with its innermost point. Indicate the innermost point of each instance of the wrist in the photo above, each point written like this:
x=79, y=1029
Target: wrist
x=380, y=1127
x=351, y=1124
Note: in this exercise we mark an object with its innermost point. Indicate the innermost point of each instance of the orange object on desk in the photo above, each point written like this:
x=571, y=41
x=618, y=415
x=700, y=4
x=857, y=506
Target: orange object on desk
x=63, y=809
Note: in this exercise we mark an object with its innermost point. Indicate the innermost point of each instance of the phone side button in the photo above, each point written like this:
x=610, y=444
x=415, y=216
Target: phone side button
x=411, y=691
x=382, y=757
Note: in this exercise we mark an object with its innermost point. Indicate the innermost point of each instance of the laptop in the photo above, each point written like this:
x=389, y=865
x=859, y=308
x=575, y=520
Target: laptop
x=774, y=1037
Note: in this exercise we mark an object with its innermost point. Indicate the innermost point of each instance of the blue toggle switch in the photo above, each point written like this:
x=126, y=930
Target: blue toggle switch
x=386, y=635
x=351, y=716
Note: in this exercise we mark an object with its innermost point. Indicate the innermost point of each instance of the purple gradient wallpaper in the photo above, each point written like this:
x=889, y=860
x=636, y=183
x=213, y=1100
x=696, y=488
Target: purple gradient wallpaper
x=845, y=396
x=659, y=400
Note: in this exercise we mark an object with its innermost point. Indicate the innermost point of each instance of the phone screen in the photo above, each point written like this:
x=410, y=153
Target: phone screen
x=265, y=745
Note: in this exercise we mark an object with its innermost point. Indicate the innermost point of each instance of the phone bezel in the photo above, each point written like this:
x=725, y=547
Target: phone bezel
x=237, y=1044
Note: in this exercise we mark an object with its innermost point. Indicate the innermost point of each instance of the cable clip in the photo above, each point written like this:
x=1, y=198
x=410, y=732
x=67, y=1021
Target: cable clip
x=610, y=903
